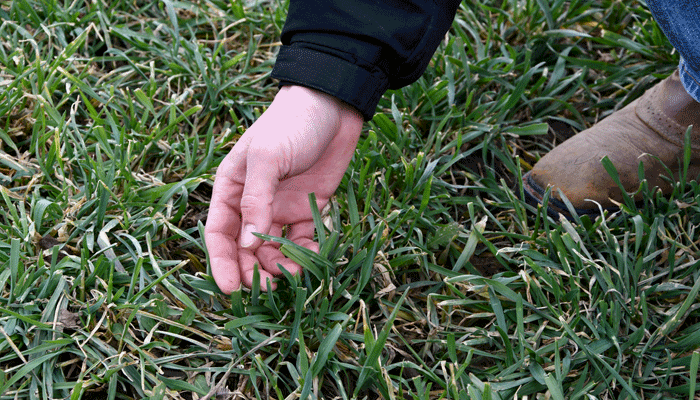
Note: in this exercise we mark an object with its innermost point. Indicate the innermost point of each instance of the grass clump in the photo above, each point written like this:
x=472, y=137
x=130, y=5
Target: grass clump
x=434, y=279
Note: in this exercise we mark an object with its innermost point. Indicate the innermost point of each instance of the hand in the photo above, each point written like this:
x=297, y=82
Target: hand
x=303, y=143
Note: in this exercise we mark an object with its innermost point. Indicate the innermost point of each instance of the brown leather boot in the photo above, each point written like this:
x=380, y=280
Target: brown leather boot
x=650, y=130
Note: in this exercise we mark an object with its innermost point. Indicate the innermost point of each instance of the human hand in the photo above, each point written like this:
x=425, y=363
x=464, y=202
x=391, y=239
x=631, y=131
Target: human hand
x=303, y=143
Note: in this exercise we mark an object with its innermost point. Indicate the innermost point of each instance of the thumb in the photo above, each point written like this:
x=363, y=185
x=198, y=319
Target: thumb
x=261, y=182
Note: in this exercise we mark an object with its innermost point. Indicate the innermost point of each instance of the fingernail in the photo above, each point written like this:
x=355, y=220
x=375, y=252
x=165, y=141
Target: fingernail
x=247, y=238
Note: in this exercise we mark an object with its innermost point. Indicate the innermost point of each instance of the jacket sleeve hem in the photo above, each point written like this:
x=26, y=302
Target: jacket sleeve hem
x=334, y=74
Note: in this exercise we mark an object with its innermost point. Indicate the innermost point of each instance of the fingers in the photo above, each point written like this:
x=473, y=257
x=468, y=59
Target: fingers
x=221, y=232
x=261, y=182
x=229, y=274
x=248, y=262
x=302, y=233
x=269, y=254
x=223, y=220
x=226, y=273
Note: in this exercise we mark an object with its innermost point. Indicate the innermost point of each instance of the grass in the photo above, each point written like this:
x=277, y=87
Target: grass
x=434, y=280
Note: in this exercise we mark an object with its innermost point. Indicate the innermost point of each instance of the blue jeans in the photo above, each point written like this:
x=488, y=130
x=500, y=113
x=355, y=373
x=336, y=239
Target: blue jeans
x=680, y=22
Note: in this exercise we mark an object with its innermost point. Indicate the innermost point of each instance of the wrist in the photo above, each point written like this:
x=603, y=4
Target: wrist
x=346, y=112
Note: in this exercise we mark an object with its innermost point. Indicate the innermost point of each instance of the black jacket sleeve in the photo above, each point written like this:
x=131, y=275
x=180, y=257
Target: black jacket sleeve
x=357, y=49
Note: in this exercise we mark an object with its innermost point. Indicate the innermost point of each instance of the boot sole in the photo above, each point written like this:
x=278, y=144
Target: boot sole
x=534, y=195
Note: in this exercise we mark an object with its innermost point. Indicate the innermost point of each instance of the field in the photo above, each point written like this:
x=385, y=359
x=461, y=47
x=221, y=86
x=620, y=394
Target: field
x=434, y=280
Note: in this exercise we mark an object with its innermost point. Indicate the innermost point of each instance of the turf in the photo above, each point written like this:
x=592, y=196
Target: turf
x=434, y=280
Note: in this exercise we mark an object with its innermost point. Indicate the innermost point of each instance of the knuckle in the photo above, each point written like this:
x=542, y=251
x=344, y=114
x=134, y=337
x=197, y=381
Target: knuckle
x=253, y=202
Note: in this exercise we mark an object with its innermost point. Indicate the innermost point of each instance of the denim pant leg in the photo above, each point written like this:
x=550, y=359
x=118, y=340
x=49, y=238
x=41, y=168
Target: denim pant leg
x=680, y=22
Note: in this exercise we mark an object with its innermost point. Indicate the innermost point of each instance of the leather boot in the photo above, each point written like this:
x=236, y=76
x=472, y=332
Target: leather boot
x=649, y=130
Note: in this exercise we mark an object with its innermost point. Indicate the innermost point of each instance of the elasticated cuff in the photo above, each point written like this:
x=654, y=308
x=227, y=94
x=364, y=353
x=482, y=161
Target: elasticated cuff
x=339, y=77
